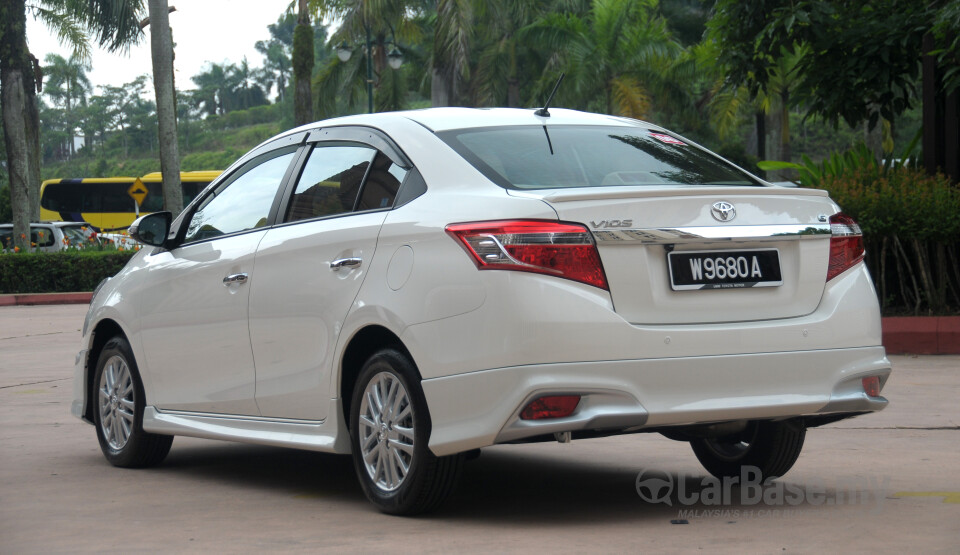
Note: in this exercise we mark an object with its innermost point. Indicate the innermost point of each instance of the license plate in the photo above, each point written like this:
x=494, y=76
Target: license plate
x=724, y=269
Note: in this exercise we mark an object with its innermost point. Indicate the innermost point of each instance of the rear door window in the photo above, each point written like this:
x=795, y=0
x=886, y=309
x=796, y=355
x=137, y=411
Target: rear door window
x=330, y=181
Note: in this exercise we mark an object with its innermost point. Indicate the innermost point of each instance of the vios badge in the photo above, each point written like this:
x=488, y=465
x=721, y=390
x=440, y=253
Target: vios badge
x=723, y=211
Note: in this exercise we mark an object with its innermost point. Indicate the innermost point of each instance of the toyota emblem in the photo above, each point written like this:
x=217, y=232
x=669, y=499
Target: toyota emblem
x=723, y=211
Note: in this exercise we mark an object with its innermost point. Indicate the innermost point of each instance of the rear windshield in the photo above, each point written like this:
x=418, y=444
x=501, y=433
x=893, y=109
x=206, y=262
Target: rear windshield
x=527, y=157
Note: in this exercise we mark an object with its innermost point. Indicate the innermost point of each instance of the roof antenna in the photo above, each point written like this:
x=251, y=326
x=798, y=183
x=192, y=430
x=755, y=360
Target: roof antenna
x=543, y=111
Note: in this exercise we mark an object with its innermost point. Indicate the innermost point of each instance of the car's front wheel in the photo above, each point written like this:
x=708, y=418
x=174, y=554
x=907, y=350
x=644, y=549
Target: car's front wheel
x=389, y=430
x=769, y=447
x=119, y=400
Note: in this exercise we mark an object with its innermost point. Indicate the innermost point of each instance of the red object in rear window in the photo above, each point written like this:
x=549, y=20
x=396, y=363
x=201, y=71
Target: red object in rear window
x=846, y=245
x=542, y=247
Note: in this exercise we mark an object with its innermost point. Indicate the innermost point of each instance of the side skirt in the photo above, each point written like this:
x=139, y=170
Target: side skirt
x=329, y=435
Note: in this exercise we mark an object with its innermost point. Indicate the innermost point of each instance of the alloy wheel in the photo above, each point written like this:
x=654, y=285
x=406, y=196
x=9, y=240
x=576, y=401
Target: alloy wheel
x=386, y=427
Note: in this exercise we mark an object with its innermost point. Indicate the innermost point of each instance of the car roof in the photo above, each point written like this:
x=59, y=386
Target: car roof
x=445, y=119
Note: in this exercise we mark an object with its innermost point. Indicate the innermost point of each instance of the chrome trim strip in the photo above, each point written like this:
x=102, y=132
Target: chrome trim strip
x=328, y=435
x=240, y=417
x=700, y=234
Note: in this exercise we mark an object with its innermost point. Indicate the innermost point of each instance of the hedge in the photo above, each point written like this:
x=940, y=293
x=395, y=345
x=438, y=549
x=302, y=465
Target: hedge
x=58, y=272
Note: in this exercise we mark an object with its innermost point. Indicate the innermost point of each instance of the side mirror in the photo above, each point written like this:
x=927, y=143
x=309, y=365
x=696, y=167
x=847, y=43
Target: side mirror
x=152, y=229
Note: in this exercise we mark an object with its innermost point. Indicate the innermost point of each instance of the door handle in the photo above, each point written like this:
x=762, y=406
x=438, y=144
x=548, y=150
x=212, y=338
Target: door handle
x=345, y=263
x=235, y=278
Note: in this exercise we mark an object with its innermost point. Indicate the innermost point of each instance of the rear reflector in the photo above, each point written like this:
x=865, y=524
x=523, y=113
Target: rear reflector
x=553, y=406
x=542, y=247
x=871, y=386
x=846, y=244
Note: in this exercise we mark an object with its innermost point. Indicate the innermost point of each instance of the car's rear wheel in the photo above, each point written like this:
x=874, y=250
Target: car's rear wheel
x=770, y=447
x=389, y=431
x=119, y=401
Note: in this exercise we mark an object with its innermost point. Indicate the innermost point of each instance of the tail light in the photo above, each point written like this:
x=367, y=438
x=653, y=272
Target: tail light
x=552, y=406
x=846, y=244
x=552, y=248
x=871, y=386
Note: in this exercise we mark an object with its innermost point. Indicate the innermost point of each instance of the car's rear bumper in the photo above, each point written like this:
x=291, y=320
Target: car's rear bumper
x=479, y=409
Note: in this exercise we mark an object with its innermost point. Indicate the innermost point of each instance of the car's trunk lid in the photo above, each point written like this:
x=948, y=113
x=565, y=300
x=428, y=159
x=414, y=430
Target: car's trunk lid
x=636, y=229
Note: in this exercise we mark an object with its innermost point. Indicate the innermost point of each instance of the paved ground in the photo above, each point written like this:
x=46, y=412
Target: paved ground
x=863, y=485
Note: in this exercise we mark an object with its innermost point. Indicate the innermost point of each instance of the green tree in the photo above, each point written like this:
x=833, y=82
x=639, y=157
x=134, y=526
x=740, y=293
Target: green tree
x=243, y=82
x=303, y=48
x=506, y=65
x=113, y=24
x=67, y=85
x=384, y=25
x=213, y=89
x=277, y=52
x=616, y=57
x=863, y=57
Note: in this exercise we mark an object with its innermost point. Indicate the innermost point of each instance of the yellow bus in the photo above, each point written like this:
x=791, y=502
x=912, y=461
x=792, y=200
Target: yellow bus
x=104, y=202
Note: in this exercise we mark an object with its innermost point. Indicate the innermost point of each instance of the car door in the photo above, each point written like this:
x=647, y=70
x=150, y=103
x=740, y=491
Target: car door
x=194, y=306
x=309, y=271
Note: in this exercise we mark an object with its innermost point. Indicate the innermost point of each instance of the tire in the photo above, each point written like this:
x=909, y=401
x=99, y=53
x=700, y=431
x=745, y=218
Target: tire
x=389, y=431
x=771, y=447
x=119, y=400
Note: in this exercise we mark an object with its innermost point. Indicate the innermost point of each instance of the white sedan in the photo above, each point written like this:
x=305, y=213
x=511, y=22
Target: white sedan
x=411, y=287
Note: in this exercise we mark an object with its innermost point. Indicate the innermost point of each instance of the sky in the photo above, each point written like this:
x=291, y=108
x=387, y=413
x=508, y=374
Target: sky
x=203, y=30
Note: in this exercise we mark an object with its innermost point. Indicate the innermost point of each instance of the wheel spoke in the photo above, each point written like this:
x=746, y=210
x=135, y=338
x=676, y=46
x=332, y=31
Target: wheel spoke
x=405, y=447
x=405, y=432
x=378, y=470
x=392, y=396
x=123, y=430
x=108, y=373
x=402, y=465
x=392, y=480
x=374, y=403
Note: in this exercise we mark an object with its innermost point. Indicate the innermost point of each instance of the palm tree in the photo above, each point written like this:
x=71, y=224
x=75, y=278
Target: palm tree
x=384, y=24
x=302, y=65
x=506, y=64
x=617, y=56
x=213, y=90
x=277, y=53
x=244, y=86
x=452, y=50
x=770, y=108
x=276, y=65
x=113, y=24
x=161, y=54
x=68, y=85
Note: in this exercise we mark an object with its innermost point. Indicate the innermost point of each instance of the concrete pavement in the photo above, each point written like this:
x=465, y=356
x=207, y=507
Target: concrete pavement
x=881, y=482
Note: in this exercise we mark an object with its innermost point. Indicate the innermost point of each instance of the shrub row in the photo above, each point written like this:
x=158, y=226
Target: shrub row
x=58, y=272
x=911, y=226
